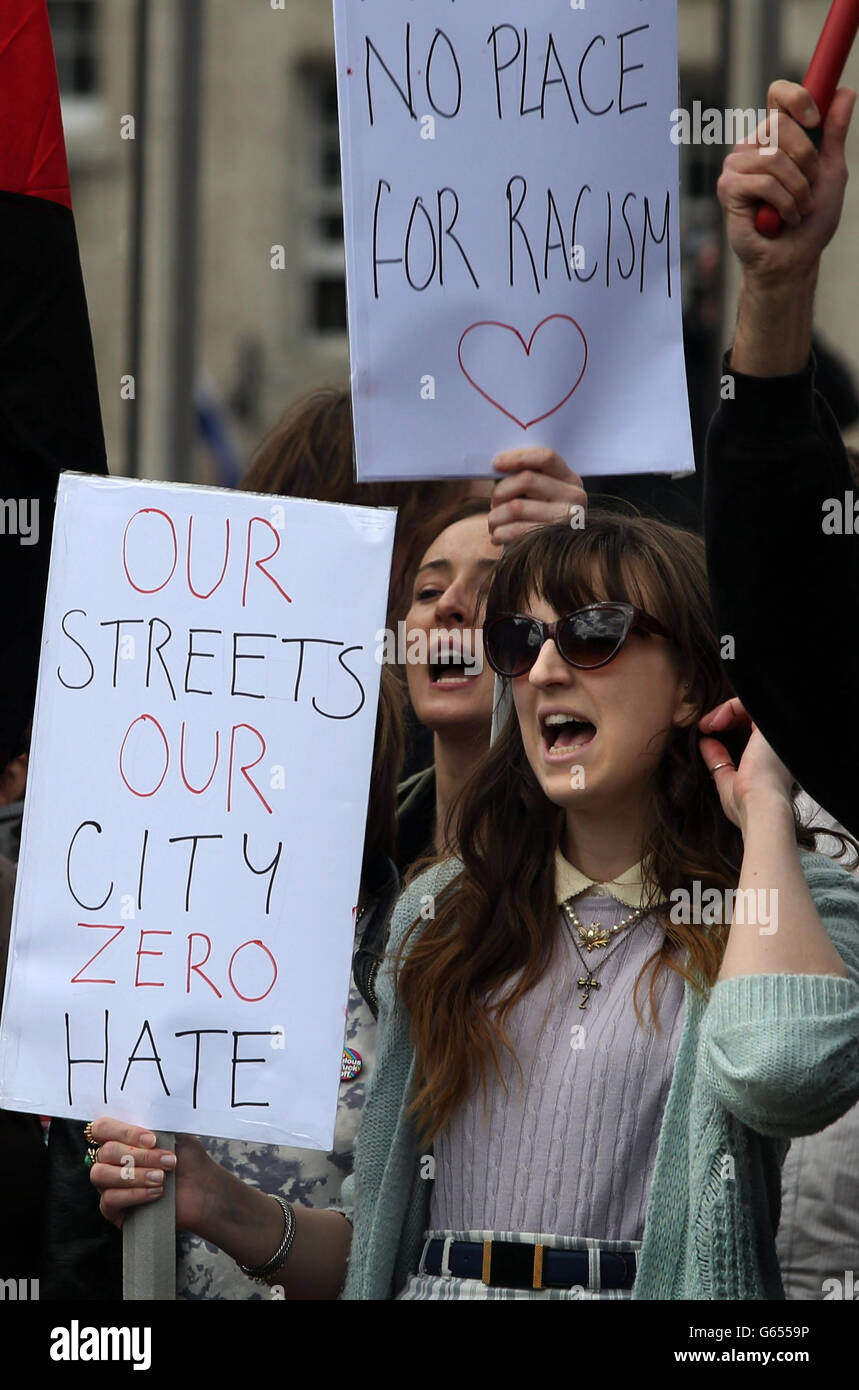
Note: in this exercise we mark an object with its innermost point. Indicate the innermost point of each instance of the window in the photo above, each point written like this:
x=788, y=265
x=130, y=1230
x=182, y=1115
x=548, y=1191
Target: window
x=322, y=255
x=73, y=26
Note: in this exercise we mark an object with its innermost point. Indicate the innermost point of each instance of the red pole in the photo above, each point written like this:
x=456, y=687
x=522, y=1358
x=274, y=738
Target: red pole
x=821, y=80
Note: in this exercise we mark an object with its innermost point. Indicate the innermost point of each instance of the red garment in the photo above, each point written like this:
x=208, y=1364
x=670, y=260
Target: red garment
x=32, y=147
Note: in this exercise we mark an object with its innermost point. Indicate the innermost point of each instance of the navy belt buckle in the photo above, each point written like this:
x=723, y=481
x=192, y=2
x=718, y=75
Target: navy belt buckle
x=512, y=1265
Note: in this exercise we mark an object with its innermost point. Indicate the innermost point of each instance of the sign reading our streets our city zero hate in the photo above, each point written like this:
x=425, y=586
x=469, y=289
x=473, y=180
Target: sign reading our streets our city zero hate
x=183, y=922
x=510, y=186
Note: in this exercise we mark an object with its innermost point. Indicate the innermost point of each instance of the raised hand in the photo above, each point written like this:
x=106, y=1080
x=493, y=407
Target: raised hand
x=537, y=487
x=806, y=187
x=760, y=773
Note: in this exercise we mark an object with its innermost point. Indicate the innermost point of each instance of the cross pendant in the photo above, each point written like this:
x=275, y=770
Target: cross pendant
x=587, y=983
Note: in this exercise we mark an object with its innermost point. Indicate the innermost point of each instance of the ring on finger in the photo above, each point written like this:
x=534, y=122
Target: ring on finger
x=714, y=770
x=91, y=1155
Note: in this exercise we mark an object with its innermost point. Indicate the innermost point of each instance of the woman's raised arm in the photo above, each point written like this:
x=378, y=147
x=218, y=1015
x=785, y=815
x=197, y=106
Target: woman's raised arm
x=785, y=933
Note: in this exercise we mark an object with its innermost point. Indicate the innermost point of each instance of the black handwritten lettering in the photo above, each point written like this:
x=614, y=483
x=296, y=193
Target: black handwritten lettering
x=586, y=188
x=625, y=275
x=552, y=215
x=493, y=39
x=204, y=656
x=592, y=110
x=198, y=1033
x=194, y=839
x=448, y=115
x=419, y=203
x=118, y=623
x=269, y=868
x=246, y=1061
x=523, y=109
x=513, y=220
x=142, y=867
x=302, y=642
x=145, y=1031
x=88, y=907
x=561, y=79
x=360, y=705
x=87, y=1061
x=248, y=656
x=406, y=95
x=81, y=648
x=624, y=69
x=448, y=232
x=383, y=260
x=158, y=650
x=593, y=227
x=666, y=237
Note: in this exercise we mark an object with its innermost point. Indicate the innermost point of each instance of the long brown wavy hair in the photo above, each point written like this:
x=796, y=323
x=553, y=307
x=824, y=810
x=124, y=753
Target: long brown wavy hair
x=495, y=926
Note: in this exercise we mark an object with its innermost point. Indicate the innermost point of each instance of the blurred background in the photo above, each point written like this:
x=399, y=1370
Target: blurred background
x=235, y=152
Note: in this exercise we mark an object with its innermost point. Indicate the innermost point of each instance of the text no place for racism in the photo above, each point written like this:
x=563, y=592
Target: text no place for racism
x=590, y=232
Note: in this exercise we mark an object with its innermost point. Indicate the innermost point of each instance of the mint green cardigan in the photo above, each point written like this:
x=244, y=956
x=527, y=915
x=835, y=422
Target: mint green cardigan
x=761, y=1058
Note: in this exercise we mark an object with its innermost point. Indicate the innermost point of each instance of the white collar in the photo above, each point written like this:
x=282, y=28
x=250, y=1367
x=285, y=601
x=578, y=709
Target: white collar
x=628, y=887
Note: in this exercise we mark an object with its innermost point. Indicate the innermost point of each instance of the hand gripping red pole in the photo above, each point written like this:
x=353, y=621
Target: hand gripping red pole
x=821, y=80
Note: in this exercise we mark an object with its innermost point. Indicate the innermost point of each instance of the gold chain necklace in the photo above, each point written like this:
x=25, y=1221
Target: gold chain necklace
x=594, y=937
x=589, y=982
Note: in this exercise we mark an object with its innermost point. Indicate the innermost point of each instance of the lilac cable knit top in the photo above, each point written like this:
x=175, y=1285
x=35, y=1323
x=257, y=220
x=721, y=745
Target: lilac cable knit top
x=570, y=1148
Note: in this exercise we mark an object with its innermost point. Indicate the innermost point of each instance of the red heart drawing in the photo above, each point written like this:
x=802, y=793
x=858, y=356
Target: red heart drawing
x=508, y=328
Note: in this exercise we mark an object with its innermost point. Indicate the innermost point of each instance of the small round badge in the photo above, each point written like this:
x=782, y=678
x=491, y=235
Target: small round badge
x=351, y=1064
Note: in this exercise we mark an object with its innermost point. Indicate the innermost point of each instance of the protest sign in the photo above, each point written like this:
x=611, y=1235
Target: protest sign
x=512, y=233
x=195, y=814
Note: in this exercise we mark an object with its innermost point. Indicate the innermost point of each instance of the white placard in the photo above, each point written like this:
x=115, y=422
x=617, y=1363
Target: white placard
x=512, y=233
x=195, y=813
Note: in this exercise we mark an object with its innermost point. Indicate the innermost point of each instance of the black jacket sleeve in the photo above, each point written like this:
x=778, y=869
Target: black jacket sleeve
x=783, y=584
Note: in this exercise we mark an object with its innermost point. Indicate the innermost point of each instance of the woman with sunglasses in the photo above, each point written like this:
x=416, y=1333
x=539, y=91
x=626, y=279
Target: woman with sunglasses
x=608, y=1085
x=580, y=1089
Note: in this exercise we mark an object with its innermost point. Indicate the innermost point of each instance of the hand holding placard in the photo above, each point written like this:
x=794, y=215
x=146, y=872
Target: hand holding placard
x=537, y=487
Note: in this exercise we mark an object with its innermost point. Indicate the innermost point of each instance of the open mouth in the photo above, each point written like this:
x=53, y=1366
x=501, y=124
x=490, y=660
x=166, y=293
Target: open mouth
x=564, y=733
x=454, y=658
x=446, y=672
